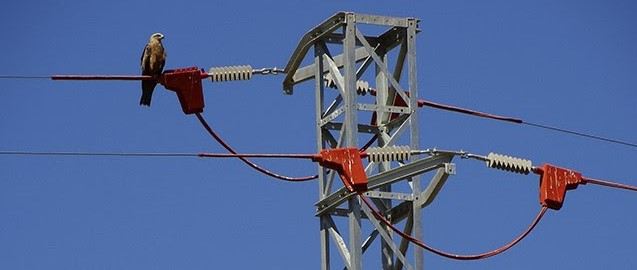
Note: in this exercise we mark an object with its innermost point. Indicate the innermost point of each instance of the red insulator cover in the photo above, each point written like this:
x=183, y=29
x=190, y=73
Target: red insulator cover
x=554, y=182
x=347, y=162
x=186, y=82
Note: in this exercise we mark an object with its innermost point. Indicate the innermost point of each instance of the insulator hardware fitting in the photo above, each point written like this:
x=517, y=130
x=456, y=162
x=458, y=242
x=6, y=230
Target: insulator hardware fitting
x=230, y=73
x=362, y=87
x=388, y=153
x=508, y=163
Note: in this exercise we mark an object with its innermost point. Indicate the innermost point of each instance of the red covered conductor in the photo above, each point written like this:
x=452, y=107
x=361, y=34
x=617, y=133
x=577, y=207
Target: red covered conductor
x=347, y=162
x=186, y=82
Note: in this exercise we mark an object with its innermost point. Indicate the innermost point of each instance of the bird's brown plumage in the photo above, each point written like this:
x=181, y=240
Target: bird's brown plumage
x=152, y=63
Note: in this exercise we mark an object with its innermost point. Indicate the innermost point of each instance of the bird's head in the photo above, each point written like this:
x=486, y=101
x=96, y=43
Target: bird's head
x=157, y=36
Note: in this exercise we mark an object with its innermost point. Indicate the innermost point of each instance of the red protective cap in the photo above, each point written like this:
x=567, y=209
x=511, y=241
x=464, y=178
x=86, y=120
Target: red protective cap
x=554, y=182
x=347, y=162
x=186, y=82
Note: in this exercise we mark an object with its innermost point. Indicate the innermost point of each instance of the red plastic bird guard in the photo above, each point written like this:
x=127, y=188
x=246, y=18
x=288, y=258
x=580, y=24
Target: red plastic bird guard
x=186, y=82
x=347, y=162
x=554, y=182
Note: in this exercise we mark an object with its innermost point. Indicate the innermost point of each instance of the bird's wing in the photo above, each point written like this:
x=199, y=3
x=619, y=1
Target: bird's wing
x=162, y=61
x=145, y=60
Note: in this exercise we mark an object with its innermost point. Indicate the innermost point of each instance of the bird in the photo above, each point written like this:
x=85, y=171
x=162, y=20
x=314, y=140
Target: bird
x=152, y=64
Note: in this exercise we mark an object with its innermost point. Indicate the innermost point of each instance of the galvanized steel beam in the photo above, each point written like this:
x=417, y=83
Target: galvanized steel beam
x=393, y=123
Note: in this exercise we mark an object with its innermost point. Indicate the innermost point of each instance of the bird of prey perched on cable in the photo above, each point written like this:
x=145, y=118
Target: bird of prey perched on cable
x=153, y=60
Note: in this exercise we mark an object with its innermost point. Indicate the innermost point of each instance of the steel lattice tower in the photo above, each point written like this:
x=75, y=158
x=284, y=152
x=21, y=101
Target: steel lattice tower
x=395, y=119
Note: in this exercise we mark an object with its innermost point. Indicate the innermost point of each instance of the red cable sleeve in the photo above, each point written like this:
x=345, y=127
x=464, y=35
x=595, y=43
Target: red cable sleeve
x=422, y=103
x=608, y=184
x=287, y=156
x=103, y=77
x=247, y=161
x=451, y=255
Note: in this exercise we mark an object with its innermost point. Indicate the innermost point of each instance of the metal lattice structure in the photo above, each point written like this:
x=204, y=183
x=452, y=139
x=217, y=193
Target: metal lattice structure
x=394, y=118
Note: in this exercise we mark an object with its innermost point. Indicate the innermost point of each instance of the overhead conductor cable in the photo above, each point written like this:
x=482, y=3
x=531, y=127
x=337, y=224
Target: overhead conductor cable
x=247, y=161
x=245, y=72
x=421, y=244
x=362, y=87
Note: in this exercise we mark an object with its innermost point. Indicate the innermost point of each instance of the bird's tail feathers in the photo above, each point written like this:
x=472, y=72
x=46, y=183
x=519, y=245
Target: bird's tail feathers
x=147, y=92
x=145, y=100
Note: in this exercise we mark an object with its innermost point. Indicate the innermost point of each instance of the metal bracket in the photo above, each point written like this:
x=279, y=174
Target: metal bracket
x=388, y=177
x=389, y=195
x=435, y=185
x=331, y=116
x=450, y=168
x=383, y=108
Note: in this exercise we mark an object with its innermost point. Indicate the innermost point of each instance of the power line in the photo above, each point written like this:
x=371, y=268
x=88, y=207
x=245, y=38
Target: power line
x=255, y=166
x=97, y=154
x=103, y=77
x=509, y=119
x=581, y=134
x=609, y=184
x=271, y=156
x=480, y=256
x=154, y=154
x=422, y=103
x=84, y=77
x=23, y=77
x=494, y=252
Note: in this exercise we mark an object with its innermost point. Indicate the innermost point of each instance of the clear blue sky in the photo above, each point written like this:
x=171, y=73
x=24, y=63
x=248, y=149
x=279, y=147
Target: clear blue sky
x=566, y=63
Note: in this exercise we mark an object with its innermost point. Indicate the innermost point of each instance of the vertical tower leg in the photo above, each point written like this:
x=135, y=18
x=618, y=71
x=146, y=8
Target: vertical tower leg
x=414, y=138
x=320, y=143
x=351, y=135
